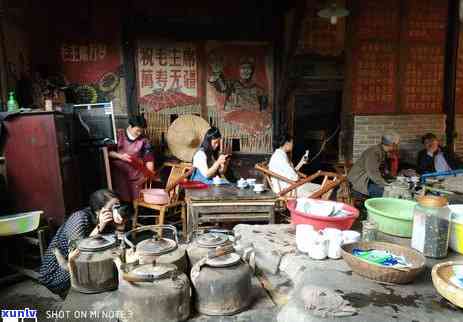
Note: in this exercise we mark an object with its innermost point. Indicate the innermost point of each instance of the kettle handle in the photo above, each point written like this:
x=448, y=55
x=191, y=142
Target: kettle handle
x=172, y=228
x=152, y=228
x=212, y=230
x=135, y=278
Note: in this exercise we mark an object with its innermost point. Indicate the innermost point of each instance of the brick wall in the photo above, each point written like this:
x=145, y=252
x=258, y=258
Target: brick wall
x=459, y=130
x=368, y=131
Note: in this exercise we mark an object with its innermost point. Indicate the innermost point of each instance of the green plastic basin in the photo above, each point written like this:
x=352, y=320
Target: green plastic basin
x=19, y=223
x=393, y=216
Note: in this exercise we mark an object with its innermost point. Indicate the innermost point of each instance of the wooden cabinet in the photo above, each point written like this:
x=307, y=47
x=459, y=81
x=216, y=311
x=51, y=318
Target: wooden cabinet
x=41, y=168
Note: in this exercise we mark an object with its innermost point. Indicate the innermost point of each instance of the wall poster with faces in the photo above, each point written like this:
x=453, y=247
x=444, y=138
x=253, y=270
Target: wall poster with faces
x=240, y=93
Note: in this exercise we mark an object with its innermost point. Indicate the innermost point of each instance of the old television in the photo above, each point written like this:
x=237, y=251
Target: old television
x=95, y=123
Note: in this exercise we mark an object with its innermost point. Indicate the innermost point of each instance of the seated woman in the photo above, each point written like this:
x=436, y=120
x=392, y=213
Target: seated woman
x=100, y=217
x=434, y=157
x=131, y=144
x=365, y=175
x=280, y=164
x=207, y=161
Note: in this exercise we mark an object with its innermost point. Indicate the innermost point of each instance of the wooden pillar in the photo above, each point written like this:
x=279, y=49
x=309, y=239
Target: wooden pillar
x=294, y=23
x=450, y=69
x=3, y=58
x=128, y=57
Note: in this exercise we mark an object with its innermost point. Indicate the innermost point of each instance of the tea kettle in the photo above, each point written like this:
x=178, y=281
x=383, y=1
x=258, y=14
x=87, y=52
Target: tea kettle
x=93, y=269
x=159, y=291
x=206, y=239
x=153, y=247
x=221, y=282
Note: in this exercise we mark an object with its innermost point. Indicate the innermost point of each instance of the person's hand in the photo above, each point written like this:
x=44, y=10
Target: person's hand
x=105, y=217
x=73, y=254
x=125, y=157
x=71, y=258
x=222, y=159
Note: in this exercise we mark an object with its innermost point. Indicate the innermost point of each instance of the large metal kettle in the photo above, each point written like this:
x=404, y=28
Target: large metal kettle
x=148, y=244
x=206, y=239
x=157, y=292
x=221, y=283
x=93, y=269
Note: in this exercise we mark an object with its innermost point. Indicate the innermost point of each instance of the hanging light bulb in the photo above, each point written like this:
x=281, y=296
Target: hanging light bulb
x=333, y=13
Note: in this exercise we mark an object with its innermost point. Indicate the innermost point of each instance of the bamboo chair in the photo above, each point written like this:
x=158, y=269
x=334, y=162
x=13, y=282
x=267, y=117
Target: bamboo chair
x=344, y=191
x=174, y=208
x=330, y=181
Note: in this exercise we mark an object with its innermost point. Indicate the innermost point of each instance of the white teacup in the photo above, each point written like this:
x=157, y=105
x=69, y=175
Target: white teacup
x=216, y=180
x=251, y=181
x=303, y=240
x=242, y=183
x=350, y=236
x=259, y=187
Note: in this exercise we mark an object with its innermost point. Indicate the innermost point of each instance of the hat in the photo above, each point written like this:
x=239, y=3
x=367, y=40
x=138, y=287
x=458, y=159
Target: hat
x=185, y=135
x=390, y=138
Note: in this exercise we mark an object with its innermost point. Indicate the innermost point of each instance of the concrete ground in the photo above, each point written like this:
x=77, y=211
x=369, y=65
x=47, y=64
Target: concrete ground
x=415, y=302
x=29, y=294
x=381, y=302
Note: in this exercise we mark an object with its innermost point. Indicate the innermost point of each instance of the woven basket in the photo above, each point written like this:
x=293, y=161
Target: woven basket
x=441, y=274
x=384, y=274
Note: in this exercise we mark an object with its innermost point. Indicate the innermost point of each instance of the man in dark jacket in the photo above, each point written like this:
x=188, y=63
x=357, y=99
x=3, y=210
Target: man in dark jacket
x=434, y=157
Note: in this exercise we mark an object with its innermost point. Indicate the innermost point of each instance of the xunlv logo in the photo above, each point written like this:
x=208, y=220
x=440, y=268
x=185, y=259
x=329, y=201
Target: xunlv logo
x=18, y=315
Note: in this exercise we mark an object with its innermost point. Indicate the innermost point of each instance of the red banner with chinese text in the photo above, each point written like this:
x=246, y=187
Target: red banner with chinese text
x=167, y=74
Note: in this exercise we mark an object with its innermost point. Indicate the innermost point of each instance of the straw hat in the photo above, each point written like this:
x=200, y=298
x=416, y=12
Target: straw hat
x=185, y=135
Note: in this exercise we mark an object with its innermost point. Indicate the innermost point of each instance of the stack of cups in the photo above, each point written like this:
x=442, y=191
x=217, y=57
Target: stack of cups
x=312, y=242
x=303, y=237
x=322, y=244
x=319, y=247
x=335, y=239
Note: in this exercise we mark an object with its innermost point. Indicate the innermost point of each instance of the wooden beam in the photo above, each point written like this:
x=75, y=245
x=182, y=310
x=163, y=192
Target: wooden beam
x=450, y=69
x=3, y=59
x=290, y=48
x=128, y=56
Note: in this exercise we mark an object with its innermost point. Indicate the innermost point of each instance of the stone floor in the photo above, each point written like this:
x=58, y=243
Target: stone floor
x=29, y=294
x=418, y=301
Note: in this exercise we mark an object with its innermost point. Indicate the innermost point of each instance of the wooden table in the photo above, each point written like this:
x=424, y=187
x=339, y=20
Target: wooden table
x=228, y=203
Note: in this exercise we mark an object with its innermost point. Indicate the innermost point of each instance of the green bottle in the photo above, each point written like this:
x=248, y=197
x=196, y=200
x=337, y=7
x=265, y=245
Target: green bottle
x=12, y=104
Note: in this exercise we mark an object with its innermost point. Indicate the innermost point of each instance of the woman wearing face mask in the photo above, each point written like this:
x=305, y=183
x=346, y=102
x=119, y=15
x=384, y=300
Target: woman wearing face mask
x=99, y=217
x=131, y=145
x=207, y=161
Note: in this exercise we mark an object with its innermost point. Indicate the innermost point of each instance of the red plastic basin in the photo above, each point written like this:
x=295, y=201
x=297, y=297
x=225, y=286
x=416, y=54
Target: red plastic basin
x=321, y=222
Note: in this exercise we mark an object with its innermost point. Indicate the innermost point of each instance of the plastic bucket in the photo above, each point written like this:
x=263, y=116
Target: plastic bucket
x=456, y=230
x=322, y=222
x=393, y=216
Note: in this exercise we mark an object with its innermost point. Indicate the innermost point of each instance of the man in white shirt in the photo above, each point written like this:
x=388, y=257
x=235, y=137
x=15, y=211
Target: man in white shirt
x=280, y=164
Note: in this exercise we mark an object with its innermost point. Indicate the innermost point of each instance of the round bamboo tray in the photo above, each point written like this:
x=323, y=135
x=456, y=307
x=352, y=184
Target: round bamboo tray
x=380, y=273
x=441, y=274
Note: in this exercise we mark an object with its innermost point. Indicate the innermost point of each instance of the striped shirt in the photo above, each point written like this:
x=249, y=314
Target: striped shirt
x=78, y=226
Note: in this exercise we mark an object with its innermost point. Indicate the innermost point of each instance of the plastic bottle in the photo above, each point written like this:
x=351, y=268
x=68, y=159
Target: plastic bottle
x=431, y=226
x=12, y=104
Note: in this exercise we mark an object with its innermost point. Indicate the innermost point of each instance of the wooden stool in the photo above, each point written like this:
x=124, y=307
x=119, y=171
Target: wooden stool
x=175, y=206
